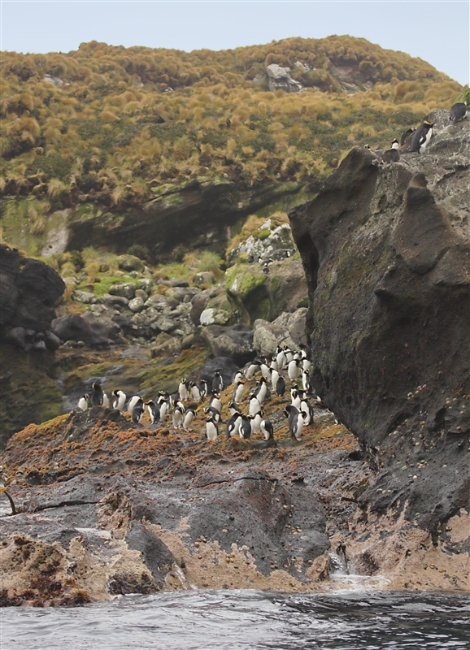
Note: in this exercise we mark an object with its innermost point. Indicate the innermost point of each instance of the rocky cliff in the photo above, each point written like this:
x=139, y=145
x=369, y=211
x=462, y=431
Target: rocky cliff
x=386, y=251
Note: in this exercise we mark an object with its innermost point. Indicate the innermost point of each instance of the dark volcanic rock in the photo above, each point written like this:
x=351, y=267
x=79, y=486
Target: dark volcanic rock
x=28, y=292
x=92, y=330
x=235, y=342
x=155, y=553
x=386, y=251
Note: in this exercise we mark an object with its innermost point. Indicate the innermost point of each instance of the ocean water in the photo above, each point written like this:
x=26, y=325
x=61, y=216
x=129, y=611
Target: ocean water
x=246, y=620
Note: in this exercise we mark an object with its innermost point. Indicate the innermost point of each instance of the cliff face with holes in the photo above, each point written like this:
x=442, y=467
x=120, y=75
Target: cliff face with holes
x=386, y=251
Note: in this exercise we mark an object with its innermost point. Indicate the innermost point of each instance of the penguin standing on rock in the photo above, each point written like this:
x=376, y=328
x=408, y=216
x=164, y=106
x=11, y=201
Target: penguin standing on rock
x=212, y=430
x=119, y=400
x=422, y=136
x=217, y=382
x=296, y=421
x=245, y=427
x=84, y=402
x=137, y=412
x=97, y=395
x=154, y=411
x=458, y=112
x=188, y=417
x=391, y=155
x=267, y=430
x=405, y=139
x=233, y=425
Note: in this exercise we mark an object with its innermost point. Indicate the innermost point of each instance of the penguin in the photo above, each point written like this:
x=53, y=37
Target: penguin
x=280, y=387
x=84, y=402
x=212, y=430
x=256, y=422
x=261, y=390
x=216, y=401
x=177, y=417
x=97, y=394
x=234, y=409
x=293, y=369
x=233, y=425
x=239, y=376
x=267, y=430
x=137, y=412
x=217, y=382
x=154, y=411
x=132, y=402
x=274, y=378
x=254, y=406
x=306, y=381
x=264, y=369
x=213, y=413
x=245, y=427
x=105, y=401
x=296, y=421
x=273, y=365
x=405, y=136
x=119, y=400
x=458, y=112
x=188, y=417
x=195, y=392
x=289, y=355
x=251, y=369
x=307, y=411
x=164, y=408
x=183, y=390
x=203, y=388
x=295, y=397
x=238, y=392
x=421, y=137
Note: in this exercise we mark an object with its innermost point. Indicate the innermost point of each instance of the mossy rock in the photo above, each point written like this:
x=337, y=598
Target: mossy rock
x=130, y=263
x=247, y=288
x=30, y=395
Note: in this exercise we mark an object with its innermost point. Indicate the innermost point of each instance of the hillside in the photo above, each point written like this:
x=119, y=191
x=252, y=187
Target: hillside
x=105, y=131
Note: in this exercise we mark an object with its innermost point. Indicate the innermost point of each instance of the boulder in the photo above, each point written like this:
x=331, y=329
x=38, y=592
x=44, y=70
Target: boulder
x=29, y=290
x=225, y=365
x=124, y=289
x=214, y=317
x=89, y=328
x=136, y=304
x=279, y=78
x=288, y=329
x=235, y=342
x=130, y=263
x=386, y=252
x=118, y=301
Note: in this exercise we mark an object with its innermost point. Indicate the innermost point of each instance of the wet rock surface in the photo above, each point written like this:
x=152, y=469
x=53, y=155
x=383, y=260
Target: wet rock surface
x=385, y=250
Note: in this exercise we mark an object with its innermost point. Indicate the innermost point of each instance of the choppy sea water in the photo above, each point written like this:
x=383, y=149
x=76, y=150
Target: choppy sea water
x=246, y=620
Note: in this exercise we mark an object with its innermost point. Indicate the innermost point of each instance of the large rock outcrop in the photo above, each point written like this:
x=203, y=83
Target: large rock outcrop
x=386, y=251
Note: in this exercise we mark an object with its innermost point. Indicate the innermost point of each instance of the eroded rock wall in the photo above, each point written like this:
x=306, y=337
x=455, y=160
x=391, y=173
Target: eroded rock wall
x=386, y=251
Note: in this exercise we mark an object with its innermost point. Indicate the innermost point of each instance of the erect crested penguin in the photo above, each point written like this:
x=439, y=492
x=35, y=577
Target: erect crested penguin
x=154, y=411
x=164, y=408
x=188, y=417
x=293, y=369
x=296, y=421
x=251, y=369
x=132, y=402
x=177, y=417
x=239, y=376
x=267, y=430
x=245, y=427
x=422, y=136
x=84, y=402
x=105, y=401
x=213, y=412
x=216, y=402
x=254, y=406
x=280, y=387
x=97, y=394
x=203, y=388
x=238, y=392
x=234, y=409
x=217, y=382
x=273, y=365
x=261, y=390
x=280, y=357
x=307, y=411
x=256, y=422
x=274, y=378
x=119, y=400
x=233, y=425
x=391, y=155
x=195, y=391
x=295, y=397
x=458, y=112
x=183, y=389
x=264, y=369
x=212, y=430
x=137, y=411
x=394, y=144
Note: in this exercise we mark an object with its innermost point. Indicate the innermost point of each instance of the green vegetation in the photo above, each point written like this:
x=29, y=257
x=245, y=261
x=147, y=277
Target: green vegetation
x=109, y=127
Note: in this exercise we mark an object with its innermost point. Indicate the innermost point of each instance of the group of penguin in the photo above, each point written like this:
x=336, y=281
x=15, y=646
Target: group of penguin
x=299, y=413
x=416, y=140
